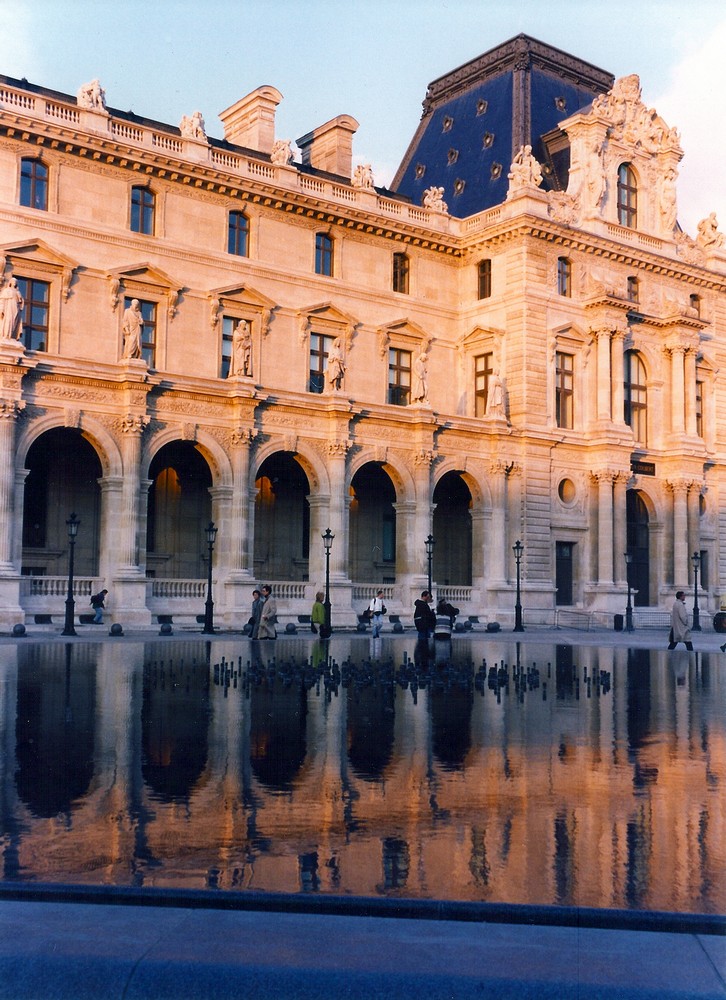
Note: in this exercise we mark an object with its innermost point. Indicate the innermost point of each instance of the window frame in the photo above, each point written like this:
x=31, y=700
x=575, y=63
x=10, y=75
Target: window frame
x=31, y=304
x=149, y=347
x=635, y=396
x=36, y=187
x=238, y=234
x=320, y=350
x=324, y=254
x=564, y=390
x=482, y=375
x=564, y=277
x=399, y=387
x=142, y=215
x=484, y=279
x=401, y=271
x=627, y=197
x=633, y=289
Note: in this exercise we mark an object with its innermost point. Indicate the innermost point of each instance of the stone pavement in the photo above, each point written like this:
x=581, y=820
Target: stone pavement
x=62, y=944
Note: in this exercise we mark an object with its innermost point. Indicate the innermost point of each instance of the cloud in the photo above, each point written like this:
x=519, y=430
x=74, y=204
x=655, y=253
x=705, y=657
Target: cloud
x=695, y=103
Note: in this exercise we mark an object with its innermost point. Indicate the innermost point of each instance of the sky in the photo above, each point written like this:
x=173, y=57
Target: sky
x=372, y=59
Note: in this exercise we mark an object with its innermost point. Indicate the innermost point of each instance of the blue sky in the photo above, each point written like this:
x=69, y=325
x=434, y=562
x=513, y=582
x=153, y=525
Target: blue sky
x=371, y=59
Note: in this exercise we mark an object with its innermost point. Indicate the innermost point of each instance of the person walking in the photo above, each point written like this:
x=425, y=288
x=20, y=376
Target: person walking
x=268, y=616
x=97, y=603
x=423, y=615
x=317, y=618
x=254, y=622
x=680, y=631
x=377, y=610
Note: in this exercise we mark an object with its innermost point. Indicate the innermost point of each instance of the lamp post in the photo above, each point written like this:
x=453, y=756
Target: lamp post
x=429, y=543
x=696, y=560
x=326, y=628
x=518, y=549
x=211, y=533
x=629, y=608
x=72, y=524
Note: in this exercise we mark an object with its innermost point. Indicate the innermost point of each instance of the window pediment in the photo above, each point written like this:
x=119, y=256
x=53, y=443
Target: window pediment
x=248, y=302
x=43, y=260
x=405, y=334
x=143, y=280
x=327, y=318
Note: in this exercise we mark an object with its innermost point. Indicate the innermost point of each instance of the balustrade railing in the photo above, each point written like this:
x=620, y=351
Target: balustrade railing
x=48, y=587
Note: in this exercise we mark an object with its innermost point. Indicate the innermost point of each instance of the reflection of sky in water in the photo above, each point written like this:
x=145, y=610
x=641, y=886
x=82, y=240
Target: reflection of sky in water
x=502, y=772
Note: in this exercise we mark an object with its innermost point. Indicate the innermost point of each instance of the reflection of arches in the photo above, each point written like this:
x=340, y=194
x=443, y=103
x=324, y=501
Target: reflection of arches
x=278, y=742
x=452, y=530
x=282, y=519
x=370, y=732
x=638, y=543
x=174, y=724
x=450, y=726
x=179, y=507
x=63, y=475
x=372, y=555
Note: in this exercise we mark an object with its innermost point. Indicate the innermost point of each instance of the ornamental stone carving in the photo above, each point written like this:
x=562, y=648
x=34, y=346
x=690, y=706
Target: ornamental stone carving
x=433, y=200
x=525, y=171
x=193, y=127
x=281, y=155
x=630, y=121
x=91, y=96
x=709, y=236
x=363, y=177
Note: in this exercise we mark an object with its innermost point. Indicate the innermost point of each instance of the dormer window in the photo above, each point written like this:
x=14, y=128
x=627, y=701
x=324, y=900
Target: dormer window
x=627, y=197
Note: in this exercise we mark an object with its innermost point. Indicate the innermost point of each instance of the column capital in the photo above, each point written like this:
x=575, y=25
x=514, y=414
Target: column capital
x=10, y=409
x=134, y=424
x=241, y=436
x=338, y=449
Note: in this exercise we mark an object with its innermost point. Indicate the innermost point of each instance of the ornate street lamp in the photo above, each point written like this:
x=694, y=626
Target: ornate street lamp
x=518, y=549
x=429, y=543
x=629, y=608
x=211, y=533
x=72, y=524
x=696, y=560
x=326, y=628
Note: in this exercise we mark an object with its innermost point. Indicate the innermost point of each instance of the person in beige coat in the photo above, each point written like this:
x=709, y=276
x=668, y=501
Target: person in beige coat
x=680, y=632
x=268, y=618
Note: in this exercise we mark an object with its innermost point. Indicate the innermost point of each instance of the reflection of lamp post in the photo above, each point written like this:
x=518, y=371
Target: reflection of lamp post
x=629, y=608
x=72, y=524
x=429, y=543
x=211, y=533
x=326, y=628
x=518, y=549
x=696, y=559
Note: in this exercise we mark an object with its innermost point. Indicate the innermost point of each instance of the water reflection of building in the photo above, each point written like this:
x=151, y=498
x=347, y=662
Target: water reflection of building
x=603, y=799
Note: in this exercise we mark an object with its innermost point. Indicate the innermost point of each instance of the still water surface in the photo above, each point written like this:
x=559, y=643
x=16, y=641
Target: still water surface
x=495, y=771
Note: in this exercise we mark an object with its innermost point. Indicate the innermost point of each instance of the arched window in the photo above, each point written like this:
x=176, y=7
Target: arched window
x=323, y=254
x=142, y=211
x=34, y=184
x=238, y=231
x=627, y=196
x=636, y=401
x=400, y=273
x=564, y=276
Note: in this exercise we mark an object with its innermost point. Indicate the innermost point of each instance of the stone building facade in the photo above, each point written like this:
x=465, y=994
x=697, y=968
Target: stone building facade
x=200, y=329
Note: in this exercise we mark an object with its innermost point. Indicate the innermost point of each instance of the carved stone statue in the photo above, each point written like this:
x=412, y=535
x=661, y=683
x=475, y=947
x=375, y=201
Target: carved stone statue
x=91, y=96
x=11, y=310
x=281, y=153
x=667, y=202
x=336, y=365
x=495, y=397
x=193, y=127
x=241, y=349
x=595, y=182
x=420, y=389
x=708, y=235
x=433, y=199
x=363, y=177
x=525, y=170
x=132, y=327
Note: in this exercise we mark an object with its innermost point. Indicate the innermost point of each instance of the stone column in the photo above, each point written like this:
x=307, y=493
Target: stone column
x=694, y=519
x=690, y=390
x=604, y=375
x=678, y=412
x=9, y=411
x=679, y=488
x=132, y=429
x=239, y=527
x=499, y=471
x=618, y=373
x=604, y=479
x=338, y=510
x=319, y=516
x=620, y=525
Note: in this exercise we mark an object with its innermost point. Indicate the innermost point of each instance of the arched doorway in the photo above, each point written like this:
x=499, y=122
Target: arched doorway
x=452, y=530
x=638, y=544
x=63, y=475
x=282, y=519
x=372, y=553
x=179, y=508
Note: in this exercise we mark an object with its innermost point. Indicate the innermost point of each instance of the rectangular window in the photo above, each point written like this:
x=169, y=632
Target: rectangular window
x=228, y=325
x=142, y=211
x=34, y=331
x=238, y=229
x=400, y=273
x=633, y=290
x=323, y=254
x=564, y=277
x=320, y=346
x=34, y=184
x=699, y=409
x=148, y=332
x=399, y=376
x=484, y=278
x=483, y=370
x=564, y=389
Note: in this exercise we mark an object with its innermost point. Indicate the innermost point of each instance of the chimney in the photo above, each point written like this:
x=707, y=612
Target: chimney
x=330, y=147
x=251, y=121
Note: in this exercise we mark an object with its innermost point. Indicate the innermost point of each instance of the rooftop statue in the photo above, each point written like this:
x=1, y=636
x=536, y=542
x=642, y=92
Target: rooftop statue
x=525, y=170
x=433, y=199
x=91, y=96
x=709, y=236
x=363, y=177
x=192, y=127
x=281, y=153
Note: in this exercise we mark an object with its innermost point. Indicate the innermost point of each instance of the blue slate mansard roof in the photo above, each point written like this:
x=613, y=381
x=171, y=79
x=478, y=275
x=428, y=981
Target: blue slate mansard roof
x=476, y=118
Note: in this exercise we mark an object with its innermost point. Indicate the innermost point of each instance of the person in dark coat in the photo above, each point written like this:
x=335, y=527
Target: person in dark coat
x=444, y=608
x=423, y=616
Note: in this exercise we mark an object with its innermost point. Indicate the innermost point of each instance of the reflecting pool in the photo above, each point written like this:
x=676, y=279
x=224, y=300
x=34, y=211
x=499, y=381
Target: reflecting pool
x=481, y=770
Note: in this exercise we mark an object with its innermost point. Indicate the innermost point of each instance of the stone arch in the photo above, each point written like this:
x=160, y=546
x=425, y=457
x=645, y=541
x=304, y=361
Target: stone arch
x=101, y=439
x=307, y=457
x=393, y=466
x=478, y=485
x=208, y=447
